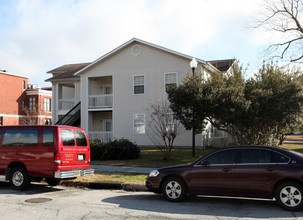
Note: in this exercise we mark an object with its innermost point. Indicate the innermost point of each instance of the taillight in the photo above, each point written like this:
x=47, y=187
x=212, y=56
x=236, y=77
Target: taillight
x=57, y=158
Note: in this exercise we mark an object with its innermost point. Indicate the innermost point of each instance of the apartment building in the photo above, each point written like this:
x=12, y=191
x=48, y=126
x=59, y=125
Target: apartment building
x=22, y=103
x=110, y=96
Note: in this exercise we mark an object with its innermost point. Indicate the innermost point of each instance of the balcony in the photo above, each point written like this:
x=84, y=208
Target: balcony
x=66, y=104
x=104, y=136
x=100, y=101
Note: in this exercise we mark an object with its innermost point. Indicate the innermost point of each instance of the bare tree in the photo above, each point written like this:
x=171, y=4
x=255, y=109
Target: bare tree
x=284, y=17
x=162, y=127
x=31, y=117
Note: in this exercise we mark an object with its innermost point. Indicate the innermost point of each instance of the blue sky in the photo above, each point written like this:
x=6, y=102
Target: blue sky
x=39, y=35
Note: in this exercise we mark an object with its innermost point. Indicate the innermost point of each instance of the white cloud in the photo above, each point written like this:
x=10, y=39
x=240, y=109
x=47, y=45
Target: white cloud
x=42, y=35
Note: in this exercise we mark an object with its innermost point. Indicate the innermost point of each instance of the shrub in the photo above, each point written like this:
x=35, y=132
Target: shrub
x=121, y=149
x=96, y=149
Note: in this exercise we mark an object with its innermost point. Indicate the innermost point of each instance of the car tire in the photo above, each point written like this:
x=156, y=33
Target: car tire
x=52, y=181
x=289, y=196
x=174, y=189
x=19, y=178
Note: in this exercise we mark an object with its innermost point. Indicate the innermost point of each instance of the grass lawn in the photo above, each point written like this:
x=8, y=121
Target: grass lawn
x=128, y=178
x=152, y=157
x=149, y=157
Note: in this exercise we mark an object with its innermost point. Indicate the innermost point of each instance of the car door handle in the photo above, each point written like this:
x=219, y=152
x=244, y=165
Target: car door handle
x=270, y=169
x=227, y=170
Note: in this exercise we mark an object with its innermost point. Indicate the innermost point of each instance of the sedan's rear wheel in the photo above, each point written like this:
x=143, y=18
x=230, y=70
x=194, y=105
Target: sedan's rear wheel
x=289, y=195
x=174, y=189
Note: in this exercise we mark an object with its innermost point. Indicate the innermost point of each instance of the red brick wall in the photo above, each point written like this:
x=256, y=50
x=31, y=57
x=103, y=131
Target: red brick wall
x=11, y=91
x=11, y=96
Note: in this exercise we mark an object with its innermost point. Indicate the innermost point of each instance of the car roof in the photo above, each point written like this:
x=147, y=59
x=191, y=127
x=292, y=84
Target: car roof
x=40, y=126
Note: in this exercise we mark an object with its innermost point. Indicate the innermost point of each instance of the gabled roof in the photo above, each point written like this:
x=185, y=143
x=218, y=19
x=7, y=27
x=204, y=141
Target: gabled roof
x=222, y=65
x=66, y=71
x=142, y=42
x=71, y=71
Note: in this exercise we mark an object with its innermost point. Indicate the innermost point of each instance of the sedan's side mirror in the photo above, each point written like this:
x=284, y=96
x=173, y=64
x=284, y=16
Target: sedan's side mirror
x=205, y=163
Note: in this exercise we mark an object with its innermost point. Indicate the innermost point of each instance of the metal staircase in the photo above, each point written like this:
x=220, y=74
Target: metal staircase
x=72, y=117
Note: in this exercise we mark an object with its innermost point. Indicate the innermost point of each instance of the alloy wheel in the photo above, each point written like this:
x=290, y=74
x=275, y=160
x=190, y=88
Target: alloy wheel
x=290, y=196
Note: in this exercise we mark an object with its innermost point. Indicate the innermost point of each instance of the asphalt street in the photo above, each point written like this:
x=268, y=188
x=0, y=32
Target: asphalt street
x=44, y=202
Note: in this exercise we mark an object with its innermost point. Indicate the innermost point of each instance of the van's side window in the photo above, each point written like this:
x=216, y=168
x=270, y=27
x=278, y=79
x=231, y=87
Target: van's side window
x=80, y=138
x=20, y=137
x=48, y=137
x=68, y=137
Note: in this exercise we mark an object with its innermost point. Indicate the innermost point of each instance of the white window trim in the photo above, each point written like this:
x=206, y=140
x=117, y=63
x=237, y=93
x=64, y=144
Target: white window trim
x=166, y=73
x=134, y=123
x=49, y=104
x=134, y=84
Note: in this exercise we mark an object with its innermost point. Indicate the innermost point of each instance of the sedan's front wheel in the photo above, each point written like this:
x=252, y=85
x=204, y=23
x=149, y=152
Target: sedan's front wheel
x=289, y=195
x=174, y=189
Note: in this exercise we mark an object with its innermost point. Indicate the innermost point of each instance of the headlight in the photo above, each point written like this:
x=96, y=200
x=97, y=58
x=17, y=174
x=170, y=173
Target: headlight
x=154, y=173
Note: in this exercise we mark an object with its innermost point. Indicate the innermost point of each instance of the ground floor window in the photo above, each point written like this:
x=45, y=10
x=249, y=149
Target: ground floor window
x=139, y=123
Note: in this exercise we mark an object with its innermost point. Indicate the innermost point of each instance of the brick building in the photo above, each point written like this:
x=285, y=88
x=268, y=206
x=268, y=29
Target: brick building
x=22, y=103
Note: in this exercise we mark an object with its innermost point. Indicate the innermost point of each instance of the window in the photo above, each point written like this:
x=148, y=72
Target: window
x=138, y=84
x=107, y=125
x=223, y=157
x=32, y=103
x=108, y=90
x=170, y=79
x=139, y=124
x=171, y=123
x=48, y=137
x=249, y=156
x=23, y=105
x=80, y=138
x=68, y=138
x=20, y=137
x=23, y=84
x=279, y=158
x=47, y=121
x=47, y=104
x=261, y=156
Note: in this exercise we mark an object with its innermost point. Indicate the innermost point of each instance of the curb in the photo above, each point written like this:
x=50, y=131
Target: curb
x=106, y=185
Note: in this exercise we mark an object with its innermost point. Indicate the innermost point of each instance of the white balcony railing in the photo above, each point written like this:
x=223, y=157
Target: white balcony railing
x=100, y=101
x=104, y=136
x=66, y=104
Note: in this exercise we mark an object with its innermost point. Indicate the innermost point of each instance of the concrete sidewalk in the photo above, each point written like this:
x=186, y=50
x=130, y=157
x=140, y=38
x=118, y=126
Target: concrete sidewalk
x=143, y=170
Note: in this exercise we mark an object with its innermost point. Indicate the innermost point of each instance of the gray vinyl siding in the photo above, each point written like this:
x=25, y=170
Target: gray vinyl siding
x=123, y=66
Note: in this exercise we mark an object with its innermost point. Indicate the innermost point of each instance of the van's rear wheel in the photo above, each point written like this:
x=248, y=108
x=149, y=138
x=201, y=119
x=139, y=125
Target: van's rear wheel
x=52, y=181
x=19, y=178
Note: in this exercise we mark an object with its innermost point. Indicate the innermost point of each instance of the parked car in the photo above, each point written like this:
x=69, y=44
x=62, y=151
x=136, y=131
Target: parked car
x=242, y=171
x=35, y=152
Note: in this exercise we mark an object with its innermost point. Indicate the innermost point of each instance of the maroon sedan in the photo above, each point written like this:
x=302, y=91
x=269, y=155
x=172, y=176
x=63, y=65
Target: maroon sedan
x=244, y=171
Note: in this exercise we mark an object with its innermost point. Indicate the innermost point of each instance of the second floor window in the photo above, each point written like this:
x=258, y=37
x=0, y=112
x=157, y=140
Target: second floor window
x=47, y=104
x=170, y=79
x=23, y=105
x=139, y=84
x=32, y=103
